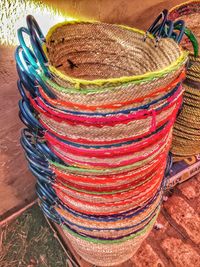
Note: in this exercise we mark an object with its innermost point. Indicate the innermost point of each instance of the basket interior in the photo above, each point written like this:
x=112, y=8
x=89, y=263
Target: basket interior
x=100, y=51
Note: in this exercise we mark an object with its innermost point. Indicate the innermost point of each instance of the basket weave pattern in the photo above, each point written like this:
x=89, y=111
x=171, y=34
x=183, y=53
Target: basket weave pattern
x=186, y=130
x=99, y=148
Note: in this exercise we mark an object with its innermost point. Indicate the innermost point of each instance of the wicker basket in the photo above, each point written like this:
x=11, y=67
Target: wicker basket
x=186, y=130
x=101, y=104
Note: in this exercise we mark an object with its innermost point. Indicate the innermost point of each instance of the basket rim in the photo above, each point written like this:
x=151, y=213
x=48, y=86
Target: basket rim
x=183, y=4
x=99, y=241
x=124, y=79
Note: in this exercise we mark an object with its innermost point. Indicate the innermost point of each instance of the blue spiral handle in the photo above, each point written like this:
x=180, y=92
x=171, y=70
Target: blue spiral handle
x=25, y=65
x=21, y=90
x=48, y=209
x=40, y=175
x=30, y=151
x=37, y=59
x=47, y=193
x=167, y=28
x=157, y=28
x=27, y=117
x=180, y=26
x=27, y=83
x=30, y=56
x=45, y=150
x=37, y=39
x=29, y=145
x=38, y=149
x=167, y=31
x=39, y=165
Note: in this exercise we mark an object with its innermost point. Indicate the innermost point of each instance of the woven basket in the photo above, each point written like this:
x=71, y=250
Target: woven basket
x=113, y=254
x=190, y=13
x=186, y=129
x=113, y=222
x=98, y=48
x=100, y=102
x=102, y=182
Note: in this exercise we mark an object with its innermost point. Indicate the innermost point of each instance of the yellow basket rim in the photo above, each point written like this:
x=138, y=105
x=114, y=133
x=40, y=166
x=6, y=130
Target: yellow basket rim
x=125, y=79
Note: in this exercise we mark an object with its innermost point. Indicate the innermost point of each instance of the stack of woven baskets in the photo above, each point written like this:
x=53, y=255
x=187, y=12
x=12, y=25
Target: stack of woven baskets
x=99, y=101
x=186, y=140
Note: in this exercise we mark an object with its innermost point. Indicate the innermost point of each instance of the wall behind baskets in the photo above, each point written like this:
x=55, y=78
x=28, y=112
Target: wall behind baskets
x=16, y=182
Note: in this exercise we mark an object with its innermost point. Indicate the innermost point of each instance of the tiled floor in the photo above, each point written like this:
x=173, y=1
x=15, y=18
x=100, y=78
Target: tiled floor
x=177, y=242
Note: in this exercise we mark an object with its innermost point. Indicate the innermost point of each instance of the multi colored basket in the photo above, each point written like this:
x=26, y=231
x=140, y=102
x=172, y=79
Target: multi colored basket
x=99, y=101
x=186, y=141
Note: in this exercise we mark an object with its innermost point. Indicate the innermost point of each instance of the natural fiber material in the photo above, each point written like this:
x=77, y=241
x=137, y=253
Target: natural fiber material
x=107, y=254
x=124, y=96
x=186, y=130
x=125, y=46
x=100, y=108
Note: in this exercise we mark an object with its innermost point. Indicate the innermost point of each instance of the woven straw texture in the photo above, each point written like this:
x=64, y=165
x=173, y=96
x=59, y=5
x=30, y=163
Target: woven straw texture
x=99, y=147
x=186, y=130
